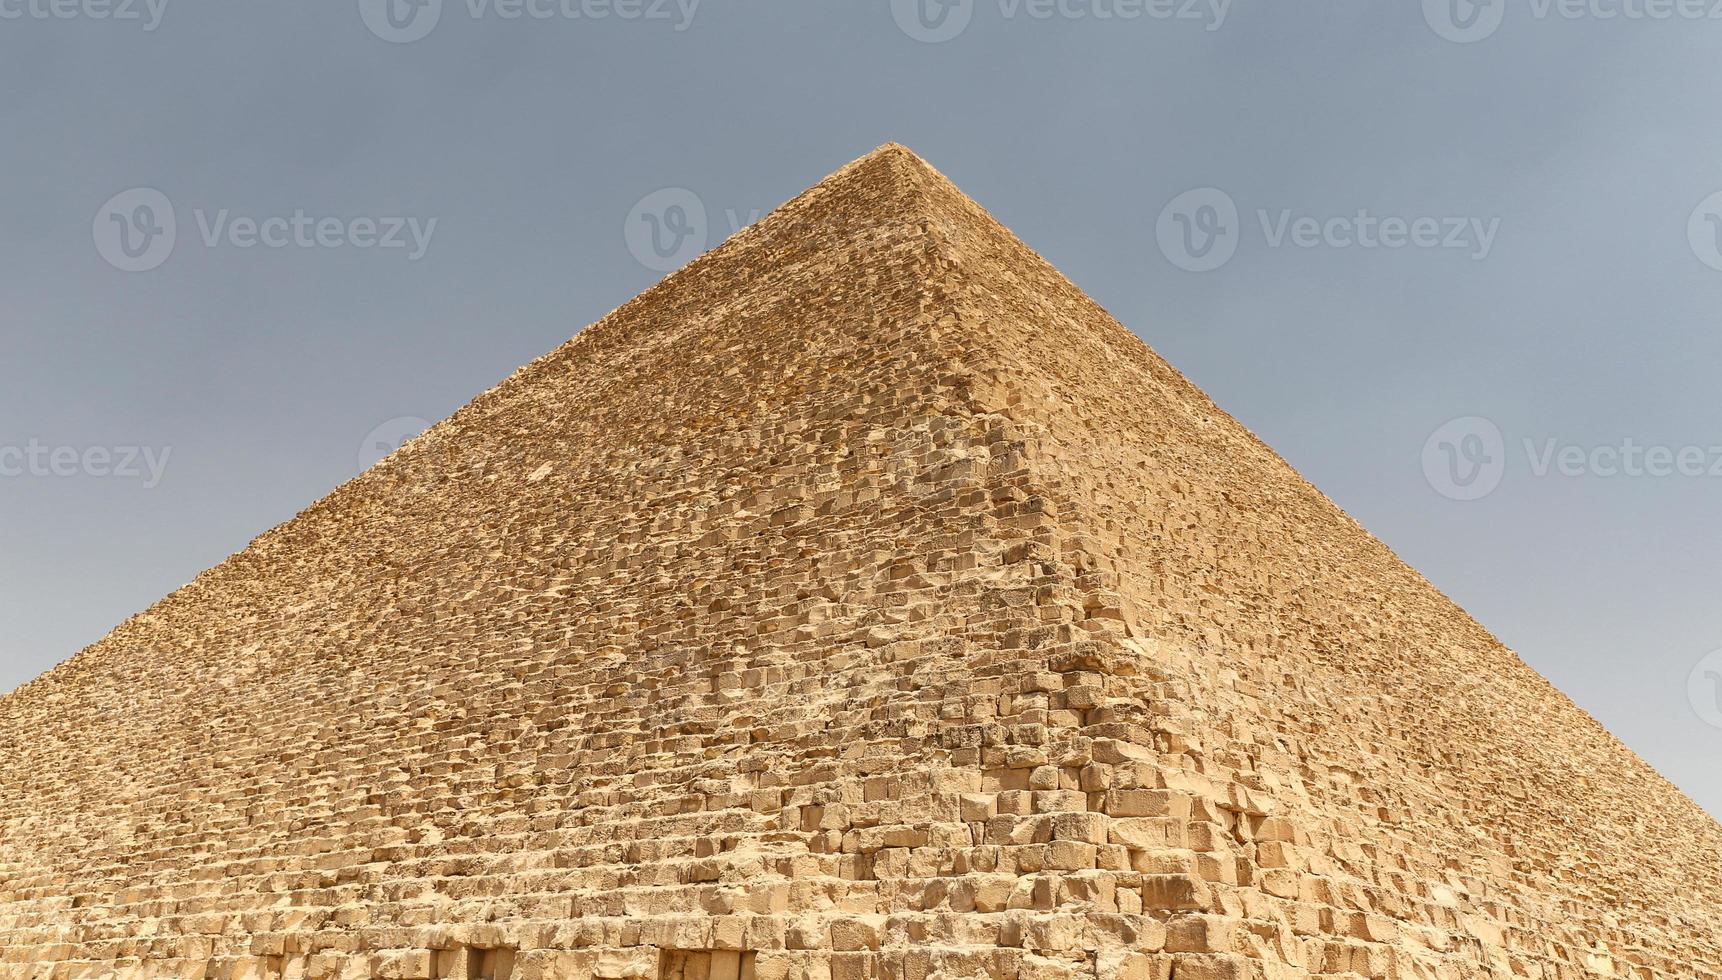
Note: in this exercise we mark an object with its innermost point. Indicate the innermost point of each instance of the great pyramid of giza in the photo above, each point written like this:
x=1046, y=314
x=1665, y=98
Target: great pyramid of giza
x=860, y=603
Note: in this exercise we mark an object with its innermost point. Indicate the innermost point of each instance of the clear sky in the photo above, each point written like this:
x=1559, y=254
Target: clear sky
x=242, y=242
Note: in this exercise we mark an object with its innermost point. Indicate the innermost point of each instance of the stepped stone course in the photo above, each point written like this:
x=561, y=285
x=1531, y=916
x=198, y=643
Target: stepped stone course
x=860, y=603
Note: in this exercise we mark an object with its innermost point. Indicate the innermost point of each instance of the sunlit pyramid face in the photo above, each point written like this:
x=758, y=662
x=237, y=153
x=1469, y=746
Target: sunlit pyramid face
x=860, y=602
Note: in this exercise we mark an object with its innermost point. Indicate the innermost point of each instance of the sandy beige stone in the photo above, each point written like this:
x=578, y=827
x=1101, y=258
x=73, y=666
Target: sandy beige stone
x=860, y=603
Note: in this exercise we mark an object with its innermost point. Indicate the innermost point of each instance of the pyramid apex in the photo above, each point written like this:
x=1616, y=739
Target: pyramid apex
x=897, y=159
x=890, y=184
x=892, y=148
x=889, y=187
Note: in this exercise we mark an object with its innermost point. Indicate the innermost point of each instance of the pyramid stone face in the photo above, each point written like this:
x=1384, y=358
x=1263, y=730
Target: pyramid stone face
x=861, y=602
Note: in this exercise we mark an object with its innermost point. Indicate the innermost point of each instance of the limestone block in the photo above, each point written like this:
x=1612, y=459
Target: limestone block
x=861, y=602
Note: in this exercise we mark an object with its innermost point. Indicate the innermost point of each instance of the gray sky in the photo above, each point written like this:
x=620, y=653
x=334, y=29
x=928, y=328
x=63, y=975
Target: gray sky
x=1563, y=291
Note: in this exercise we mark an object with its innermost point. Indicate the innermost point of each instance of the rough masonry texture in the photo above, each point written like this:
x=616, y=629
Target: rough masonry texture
x=863, y=603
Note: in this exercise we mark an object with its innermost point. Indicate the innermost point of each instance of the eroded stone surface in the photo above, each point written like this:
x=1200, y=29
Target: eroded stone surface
x=861, y=602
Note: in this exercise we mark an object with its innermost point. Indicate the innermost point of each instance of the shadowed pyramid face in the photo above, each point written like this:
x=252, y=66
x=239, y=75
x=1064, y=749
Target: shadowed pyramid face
x=860, y=602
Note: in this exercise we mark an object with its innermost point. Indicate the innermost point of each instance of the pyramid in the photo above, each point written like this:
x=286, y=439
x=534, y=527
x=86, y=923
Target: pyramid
x=860, y=603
